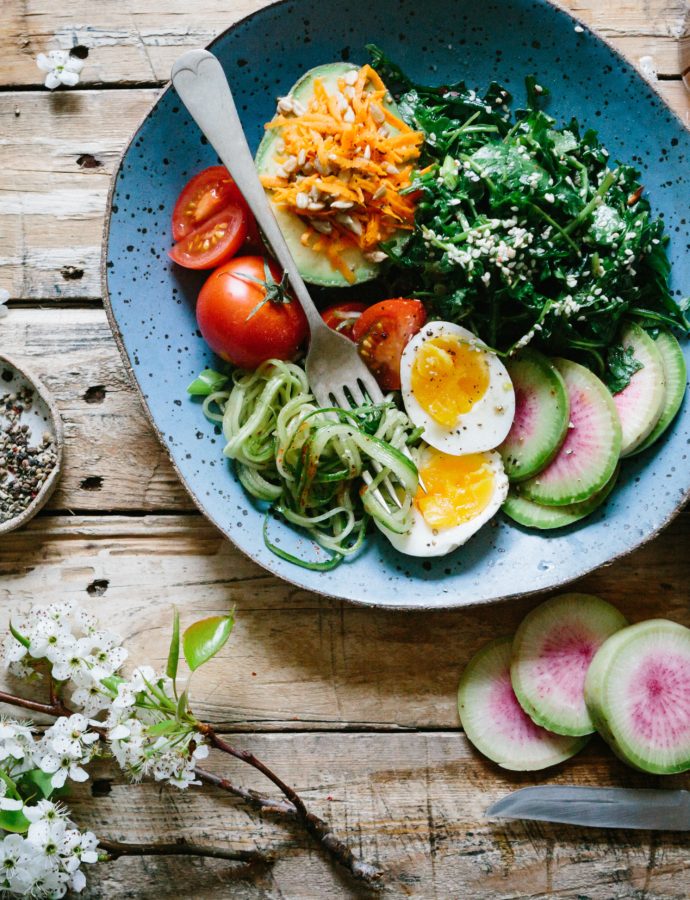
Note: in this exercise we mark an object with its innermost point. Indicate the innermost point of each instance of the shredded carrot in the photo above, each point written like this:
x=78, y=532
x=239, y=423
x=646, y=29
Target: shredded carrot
x=346, y=148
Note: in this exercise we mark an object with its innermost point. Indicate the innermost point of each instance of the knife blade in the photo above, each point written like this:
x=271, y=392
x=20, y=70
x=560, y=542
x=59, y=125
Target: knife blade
x=599, y=807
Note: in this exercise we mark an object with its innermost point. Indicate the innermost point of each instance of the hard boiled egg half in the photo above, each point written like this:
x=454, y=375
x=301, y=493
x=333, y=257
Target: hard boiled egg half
x=457, y=389
x=459, y=495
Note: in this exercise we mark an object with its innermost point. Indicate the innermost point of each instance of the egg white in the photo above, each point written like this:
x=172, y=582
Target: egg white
x=487, y=424
x=423, y=540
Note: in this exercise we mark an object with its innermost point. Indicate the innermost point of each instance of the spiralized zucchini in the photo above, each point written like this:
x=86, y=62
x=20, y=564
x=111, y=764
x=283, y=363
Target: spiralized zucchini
x=325, y=470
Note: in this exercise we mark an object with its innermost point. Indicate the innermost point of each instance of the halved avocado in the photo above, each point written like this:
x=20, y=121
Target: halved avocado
x=314, y=267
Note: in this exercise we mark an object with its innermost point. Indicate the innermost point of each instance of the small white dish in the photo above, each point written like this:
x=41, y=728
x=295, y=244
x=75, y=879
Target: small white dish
x=42, y=417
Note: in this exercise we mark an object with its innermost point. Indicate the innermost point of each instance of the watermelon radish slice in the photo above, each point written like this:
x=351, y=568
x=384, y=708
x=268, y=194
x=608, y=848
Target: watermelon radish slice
x=675, y=380
x=534, y=515
x=552, y=650
x=589, y=454
x=495, y=722
x=641, y=403
x=637, y=690
x=541, y=415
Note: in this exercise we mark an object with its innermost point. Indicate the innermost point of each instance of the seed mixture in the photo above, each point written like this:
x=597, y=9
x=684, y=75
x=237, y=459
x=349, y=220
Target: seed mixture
x=23, y=468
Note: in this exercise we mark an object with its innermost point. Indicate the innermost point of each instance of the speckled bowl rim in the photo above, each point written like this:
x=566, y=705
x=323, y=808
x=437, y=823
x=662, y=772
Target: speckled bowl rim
x=51, y=481
x=418, y=607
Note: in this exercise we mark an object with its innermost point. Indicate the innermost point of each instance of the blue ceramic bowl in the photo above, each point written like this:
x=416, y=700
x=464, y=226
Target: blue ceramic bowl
x=151, y=302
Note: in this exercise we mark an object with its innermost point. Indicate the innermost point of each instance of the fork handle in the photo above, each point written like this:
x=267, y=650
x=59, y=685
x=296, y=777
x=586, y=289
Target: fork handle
x=200, y=81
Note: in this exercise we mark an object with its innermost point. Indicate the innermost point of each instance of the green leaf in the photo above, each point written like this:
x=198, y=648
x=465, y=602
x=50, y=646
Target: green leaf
x=14, y=820
x=202, y=640
x=111, y=683
x=174, y=651
x=207, y=382
x=164, y=727
x=621, y=365
x=36, y=782
x=19, y=637
x=182, y=705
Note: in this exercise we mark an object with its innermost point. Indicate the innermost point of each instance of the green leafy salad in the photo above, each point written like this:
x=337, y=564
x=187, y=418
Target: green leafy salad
x=524, y=231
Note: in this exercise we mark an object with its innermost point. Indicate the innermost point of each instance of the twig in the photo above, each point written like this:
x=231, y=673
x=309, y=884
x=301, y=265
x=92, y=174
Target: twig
x=56, y=708
x=251, y=798
x=317, y=827
x=116, y=849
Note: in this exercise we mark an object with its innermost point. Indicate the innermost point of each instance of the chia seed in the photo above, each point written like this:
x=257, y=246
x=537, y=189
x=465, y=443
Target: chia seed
x=23, y=468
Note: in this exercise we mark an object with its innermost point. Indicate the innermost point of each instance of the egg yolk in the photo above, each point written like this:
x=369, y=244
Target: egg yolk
x=458, y=489
x=448, y=377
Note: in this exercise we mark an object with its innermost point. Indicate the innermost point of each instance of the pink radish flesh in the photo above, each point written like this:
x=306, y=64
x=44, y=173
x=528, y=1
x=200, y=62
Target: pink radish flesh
x=495, y=722
x=660, y=710
x=587, y=457
x=552, y=650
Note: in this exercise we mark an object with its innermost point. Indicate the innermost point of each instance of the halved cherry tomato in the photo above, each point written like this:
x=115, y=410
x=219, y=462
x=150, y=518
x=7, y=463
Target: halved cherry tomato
x=343, y=316
x=382, y=332
x=246, y=316
x=214, y=242
x=205, y=195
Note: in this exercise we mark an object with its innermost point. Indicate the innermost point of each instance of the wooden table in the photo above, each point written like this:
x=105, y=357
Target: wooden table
x=355, y=707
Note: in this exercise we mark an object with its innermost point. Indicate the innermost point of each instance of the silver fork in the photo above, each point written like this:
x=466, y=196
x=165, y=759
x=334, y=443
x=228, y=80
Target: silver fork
x=334, y=367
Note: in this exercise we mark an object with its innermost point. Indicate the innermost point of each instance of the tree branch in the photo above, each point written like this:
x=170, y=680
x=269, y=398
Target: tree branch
x=317, y=827
x=251, y=798
x=116, y=849
x=56, y=708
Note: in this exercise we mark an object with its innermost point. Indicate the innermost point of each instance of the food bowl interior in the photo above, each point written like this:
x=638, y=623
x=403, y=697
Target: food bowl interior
x=41, y=418
x=151, y=302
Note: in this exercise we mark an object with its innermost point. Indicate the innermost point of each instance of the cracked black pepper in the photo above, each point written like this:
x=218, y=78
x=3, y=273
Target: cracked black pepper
x=23, y=468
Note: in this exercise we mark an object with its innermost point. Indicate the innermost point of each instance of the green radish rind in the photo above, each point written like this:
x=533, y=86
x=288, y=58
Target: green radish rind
x=546, y=518
x=494, y=721
x=551, y=652
x=641, y=403
x=525, y=455
x=315, y=267
x=675, y=380
x=555, y=485
x=607, y=692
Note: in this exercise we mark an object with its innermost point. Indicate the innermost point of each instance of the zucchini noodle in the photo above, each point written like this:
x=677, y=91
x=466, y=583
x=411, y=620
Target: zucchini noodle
x=325, y=470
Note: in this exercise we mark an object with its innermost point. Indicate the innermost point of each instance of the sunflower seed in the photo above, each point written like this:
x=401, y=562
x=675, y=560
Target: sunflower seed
x=301, y=157
x=349, y=115
x=351, y=77
x=391, y=169
x=342, y=204
x=290, y=164
x=375, y=256
x=366, y=153
x=302, y=200
x=381, y=192
x=377, y=113
x=348, y=222
x=315, y=206
x=321, y=226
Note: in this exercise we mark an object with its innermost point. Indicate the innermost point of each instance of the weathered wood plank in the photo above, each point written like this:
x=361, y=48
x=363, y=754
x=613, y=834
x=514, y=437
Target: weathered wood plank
x=414, y=803
x=112, y=461
x=52, y=223
x=296, y=660
x=131, y=43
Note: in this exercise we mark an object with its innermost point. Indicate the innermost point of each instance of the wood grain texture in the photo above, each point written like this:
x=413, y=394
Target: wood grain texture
x=413, y=803
x=131, y=42
x=112, y=459
x=296, y=660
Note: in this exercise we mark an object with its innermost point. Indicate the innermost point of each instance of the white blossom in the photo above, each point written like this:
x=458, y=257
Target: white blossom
x=61, y=67
x=80, y=654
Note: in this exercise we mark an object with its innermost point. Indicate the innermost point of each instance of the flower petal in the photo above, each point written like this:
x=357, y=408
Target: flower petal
x=52, y=81
x=69, y=78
